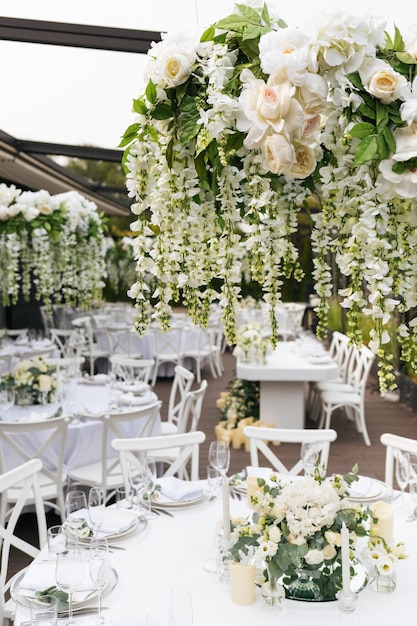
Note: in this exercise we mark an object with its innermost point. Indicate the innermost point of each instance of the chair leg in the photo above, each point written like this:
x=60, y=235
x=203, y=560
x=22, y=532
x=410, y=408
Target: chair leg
x=361, y=425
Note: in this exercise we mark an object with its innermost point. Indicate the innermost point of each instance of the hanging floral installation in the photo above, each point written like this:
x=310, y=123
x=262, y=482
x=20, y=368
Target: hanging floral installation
x=51, y=243
x=241, y=127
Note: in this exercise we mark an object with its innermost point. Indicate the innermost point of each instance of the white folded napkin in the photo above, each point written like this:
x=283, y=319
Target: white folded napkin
x=180, y=490
x=115, y=521
x=130, y=399
x=361, y=488
x=92, y=409
x=41, y=575
x=34, y=416
x=135, y=387
x=259, y=472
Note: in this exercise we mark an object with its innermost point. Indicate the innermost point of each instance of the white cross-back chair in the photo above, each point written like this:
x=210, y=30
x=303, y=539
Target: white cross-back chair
x=189, y=417
x=350, y=399
x=181, y=385
x=44, y=440
x=204, y=350
x=120, y=339
x=168, y=348
x=395, y=445
x=92, y=351
x=70, y=342
x=106, y=472
x=259, y=437
x=5, y=363
x=126, y=368
x=67, y=367
x=187, y=446
x=23, y=479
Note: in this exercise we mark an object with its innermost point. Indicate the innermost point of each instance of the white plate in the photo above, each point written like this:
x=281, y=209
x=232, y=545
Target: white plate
x=376, y=491
x=139, y=387
x=131, y=400
x=24, y=601
x=320, y=360
x=137, y=525
x=172, y=504
x=98, y=379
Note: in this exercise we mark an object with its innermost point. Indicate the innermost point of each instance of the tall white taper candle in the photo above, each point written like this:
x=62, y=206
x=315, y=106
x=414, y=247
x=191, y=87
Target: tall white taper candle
x=344, y=533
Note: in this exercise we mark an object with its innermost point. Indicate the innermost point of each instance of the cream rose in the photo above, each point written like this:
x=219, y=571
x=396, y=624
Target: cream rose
x=176, y=66
x=381, y=81
x=45, y=209
x=305, y=162
x=279, y=153
x=314, y=557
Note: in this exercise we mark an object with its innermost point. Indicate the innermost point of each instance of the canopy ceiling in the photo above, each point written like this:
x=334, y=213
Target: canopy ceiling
x=25, y=163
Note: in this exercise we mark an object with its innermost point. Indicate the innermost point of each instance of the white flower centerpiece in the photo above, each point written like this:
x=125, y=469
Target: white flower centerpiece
x=251, y=344
x=295, y=533
x=241, y=126
x=54, y=243
x=33, y=380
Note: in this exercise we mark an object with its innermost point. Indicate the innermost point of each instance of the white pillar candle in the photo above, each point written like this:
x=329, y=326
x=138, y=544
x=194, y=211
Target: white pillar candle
x=344, y=534
x=242, y=583
x=384, y=524
x=226, y=510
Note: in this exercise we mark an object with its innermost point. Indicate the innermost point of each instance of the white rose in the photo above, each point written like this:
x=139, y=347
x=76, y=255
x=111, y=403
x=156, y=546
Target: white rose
x=312, y=93
x=381, y=81
x=334, y=539
x=314, y=557
x=329, y=552
x=176, y=66
x=406, y=143
x=285, y=51
x=278, y=153
x=305, y=162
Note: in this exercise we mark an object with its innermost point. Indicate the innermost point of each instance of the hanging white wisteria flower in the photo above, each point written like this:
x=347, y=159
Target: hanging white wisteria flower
x=53, y=243
x=239, y=129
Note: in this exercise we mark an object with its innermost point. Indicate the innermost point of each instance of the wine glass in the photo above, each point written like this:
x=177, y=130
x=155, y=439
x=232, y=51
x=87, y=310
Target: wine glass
x=160, y=617
x=310, y=453
x=96, y=508
x=99, y=564
x=219, y=456
x=75, y=509
x=149, y=480
x=7, y=400
x=136, y=479
x=69, y=574
x=402, y=474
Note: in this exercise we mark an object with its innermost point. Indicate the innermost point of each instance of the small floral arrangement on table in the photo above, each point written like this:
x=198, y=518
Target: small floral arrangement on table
x=239, y=407
x=33, y=380
x=295, y=533
x=251, y=344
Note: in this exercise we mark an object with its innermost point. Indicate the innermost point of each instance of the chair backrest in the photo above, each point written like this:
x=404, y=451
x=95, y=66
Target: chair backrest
x=44, y=440
x=5, y=363
x=259, y=437
x=130, y=369
x=191, y=413
x=114, y=426
x=46, y=353
x=67, y=367
x=341, y=349
x=187, y=445
x=119, y=338
x=359, y=367
x=167, y=343
x=394, y=445
x=70, y=342
x=17, y=333
x=181, y=385
x=25, y=479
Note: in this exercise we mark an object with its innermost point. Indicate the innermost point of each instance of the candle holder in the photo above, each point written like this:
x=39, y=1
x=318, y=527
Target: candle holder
x=347, y=603
x=225, y=560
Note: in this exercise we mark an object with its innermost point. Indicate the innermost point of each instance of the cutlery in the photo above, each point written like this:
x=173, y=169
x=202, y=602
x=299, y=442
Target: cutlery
x=164, y=511
x=64, y=614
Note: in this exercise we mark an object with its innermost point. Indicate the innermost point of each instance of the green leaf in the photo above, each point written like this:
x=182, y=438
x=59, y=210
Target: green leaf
x=382, y=146
x=406, y=58
x=208, y=34
x=366, y=150
x=265, y=15
x=252, y=32
x=150, y=92
x=398, y=40
x=249, y=12
x=355, y=80
x=366, y=111
x=140, y=107
x=162, y=111
x=389, y=139
x=381, y=114
x=403, y=166
x=189, y=115
x=129, y=135
x=233, y=22
x=363, y=129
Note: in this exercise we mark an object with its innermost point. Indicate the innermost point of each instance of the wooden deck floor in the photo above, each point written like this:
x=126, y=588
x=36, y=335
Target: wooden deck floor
x=349, y=448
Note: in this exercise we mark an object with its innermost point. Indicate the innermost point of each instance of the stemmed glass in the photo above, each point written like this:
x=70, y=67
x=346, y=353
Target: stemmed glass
x=69, y=575
x=99, y=564
x=135, y=478
x=402, y=474
x=7, y=400
x=96, y=508
x=142, y=478
x=310, y=453
x=149, y=481
x=75, y=509
x=181, y=606
x=219, y=456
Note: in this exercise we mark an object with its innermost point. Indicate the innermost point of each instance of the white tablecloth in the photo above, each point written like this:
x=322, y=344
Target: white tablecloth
x=172, y=551
x=83, y=444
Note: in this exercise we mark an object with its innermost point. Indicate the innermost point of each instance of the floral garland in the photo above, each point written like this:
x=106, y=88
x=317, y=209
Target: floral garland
x=54, y=243
x=239, y=128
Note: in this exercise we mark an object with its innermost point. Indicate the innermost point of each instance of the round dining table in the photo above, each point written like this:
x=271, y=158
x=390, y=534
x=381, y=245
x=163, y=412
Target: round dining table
x=172, y=550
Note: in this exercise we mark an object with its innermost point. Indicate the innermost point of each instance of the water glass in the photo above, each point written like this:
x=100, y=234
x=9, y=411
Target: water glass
x=44, y=611
x=181, y=606
x=214, y=481
x=57, y=540
x=124, y=498
x=310, y=453
x=160, y=617
x=96, y=508
x=219, y=456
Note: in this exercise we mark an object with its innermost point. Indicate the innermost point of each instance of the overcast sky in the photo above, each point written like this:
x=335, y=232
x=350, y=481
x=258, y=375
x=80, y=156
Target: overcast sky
x=77, y=96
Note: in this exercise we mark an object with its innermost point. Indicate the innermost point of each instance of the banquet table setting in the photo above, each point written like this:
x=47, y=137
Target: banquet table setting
x=150, y=558
x=85, y=401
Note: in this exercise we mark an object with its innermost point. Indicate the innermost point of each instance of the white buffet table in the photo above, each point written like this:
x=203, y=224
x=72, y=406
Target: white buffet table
x=283, y=381
x=171, y=552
